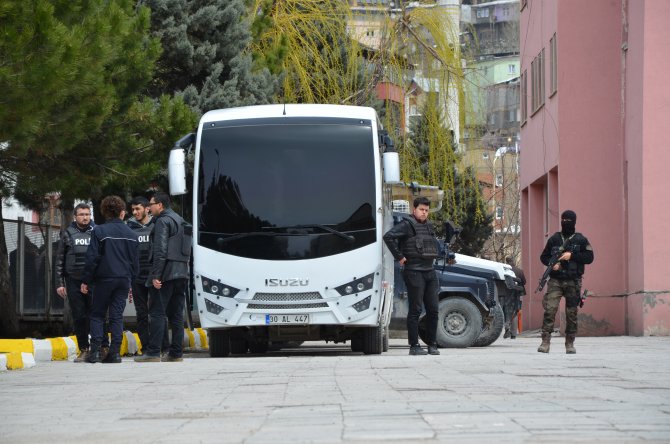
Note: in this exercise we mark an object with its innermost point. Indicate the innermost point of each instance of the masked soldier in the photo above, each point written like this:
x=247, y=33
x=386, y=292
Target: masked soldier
x=573, y=251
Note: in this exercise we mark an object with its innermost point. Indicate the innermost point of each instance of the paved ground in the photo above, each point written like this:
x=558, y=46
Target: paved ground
x=616, y=389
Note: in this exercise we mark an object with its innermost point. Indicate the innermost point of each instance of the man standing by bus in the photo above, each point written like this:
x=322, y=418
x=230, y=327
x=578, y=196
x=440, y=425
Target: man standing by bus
x=412, y=242
x=168, y=278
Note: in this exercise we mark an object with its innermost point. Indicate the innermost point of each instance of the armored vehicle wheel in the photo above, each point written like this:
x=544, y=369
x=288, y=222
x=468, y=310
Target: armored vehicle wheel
x=219, y=343
x=238, y=346
x=492, y=329
x=459, y=323
x=373, y=340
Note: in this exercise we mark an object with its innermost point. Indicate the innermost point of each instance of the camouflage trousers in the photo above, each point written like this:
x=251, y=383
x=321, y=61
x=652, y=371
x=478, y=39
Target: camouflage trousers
x=556, y=289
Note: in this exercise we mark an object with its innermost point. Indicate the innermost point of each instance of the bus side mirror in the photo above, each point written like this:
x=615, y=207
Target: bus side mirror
x=390, y=159
x=177, y=165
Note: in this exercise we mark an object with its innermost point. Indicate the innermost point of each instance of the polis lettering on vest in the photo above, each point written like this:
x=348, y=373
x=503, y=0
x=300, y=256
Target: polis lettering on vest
x=143, y=238
x=82, y=241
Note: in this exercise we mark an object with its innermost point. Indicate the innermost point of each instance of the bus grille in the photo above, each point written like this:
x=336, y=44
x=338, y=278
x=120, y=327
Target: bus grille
x=287, y=297
x=286, y=306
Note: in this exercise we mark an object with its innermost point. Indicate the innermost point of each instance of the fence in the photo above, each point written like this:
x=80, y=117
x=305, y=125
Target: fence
x=32, y=256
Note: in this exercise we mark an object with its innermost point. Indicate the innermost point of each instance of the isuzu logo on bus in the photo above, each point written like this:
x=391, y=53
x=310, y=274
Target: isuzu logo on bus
x=291, y=282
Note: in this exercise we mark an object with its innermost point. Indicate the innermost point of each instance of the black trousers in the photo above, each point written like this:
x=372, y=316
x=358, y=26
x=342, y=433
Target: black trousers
x=141, y=301
x=80, y=305
x=422, y=287
x=168, y=302
x=110, y=295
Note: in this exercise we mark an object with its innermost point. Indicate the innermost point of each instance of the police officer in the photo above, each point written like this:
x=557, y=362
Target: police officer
x=414, y=245
x=511, y=303
x=573, y=251
x=168, y=278
x=111, y=265
x=70, y=260
x=142, y=224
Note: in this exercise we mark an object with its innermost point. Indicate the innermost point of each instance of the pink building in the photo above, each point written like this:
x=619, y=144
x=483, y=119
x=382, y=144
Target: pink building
x=595, y=105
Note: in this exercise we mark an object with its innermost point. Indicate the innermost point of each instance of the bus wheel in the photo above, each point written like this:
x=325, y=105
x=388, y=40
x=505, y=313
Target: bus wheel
x=373, y=340
x=219, y=343
x=385, y=339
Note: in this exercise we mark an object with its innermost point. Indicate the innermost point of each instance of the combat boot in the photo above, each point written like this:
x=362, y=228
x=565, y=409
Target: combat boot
x=570, y=344
x=93, y=355
x=544, y=347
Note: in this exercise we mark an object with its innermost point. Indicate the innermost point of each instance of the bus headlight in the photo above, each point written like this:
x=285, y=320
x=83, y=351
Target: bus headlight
x=217, y=288
x=359, y=285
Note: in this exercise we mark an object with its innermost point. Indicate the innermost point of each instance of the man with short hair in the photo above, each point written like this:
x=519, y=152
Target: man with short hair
x=412, y=242
x=168, y=278
x=70, y=261
x=111, y=264
x=142, y=223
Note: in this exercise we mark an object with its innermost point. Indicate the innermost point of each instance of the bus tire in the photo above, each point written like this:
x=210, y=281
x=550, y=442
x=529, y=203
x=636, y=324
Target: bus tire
x=373, y=340
x=492, y=330
x=385, y=339
x=219, y=343
x=459, y=323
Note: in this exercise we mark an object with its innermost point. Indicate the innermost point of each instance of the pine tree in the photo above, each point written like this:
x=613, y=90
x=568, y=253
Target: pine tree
x=205, y=55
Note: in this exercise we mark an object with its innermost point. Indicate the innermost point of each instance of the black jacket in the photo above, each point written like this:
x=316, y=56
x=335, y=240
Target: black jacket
x=112, y=253
x=66, y=247
x=143, y=233
x=162, y=268
x=582, y=254
x=394, y=239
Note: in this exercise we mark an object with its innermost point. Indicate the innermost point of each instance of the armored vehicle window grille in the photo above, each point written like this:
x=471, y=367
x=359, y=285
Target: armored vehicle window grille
x=286, y=306
x=288, y=297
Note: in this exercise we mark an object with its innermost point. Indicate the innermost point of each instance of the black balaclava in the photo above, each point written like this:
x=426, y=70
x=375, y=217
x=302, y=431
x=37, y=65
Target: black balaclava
x=568, y=222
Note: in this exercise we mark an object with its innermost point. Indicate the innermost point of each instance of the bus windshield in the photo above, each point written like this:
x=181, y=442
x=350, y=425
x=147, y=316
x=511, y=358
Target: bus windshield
x=286, y=189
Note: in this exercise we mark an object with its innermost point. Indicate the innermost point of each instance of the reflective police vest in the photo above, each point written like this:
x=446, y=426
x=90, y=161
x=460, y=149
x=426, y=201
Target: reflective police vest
x=75, y=257
x=144, y=247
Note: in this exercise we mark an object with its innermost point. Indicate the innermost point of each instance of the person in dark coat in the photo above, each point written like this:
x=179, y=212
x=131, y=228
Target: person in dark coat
x=112, y=262
x=168, y=279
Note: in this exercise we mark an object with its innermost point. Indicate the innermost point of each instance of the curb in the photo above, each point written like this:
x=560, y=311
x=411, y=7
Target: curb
x=25, y=353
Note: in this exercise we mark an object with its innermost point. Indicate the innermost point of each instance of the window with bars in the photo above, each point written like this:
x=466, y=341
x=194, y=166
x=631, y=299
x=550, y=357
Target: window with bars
x=537, y=81
x=524, y=97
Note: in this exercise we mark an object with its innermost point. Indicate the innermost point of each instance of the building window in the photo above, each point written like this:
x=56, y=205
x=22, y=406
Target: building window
x=537, y=81
x=485, y=155
x=553, y=71
x=511, y=68
x=499, y=180
x=483, y=13
x=524, y=97
x=499, y=212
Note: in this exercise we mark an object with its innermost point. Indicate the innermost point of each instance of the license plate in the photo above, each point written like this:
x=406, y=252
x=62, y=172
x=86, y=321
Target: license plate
x=278, y=319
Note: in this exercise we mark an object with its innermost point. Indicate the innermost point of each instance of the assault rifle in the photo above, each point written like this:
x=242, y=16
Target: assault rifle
x=554, y=259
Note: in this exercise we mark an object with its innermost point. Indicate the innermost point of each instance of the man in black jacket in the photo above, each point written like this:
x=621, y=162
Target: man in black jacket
x=70, y=260
x=565, y=280
x=511, y=303
x=111, y=264
x=168, y=279
x=414, y=245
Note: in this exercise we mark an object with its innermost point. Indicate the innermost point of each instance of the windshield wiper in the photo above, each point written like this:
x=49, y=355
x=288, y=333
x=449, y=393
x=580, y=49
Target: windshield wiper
x=344, y=236
x=220, y=241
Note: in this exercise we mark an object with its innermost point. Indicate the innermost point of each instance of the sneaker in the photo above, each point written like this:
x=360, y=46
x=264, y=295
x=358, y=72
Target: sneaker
x=432, y=350
x=147, y=358
x=170, y=358
x=417, y=350
x=83, y=355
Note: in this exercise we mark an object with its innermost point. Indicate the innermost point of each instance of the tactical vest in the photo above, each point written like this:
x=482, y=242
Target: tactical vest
x=75, y=257
x=144, y=248
x=423, y=244
x=570, y=269
x=179, y=244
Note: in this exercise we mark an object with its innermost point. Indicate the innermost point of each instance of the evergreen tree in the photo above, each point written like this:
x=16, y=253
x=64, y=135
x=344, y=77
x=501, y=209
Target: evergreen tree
x=205, y=57
x=71, y=117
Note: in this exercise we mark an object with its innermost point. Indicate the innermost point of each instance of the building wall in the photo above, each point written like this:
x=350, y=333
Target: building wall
x=596, y=147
